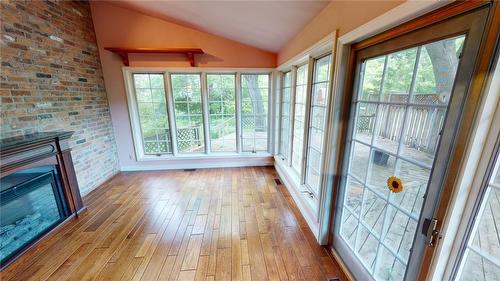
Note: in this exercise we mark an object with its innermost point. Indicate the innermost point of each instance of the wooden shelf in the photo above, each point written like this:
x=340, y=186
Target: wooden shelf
x=123, y=52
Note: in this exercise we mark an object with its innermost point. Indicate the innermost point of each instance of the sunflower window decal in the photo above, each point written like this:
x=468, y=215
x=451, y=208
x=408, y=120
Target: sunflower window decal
x=394, y=184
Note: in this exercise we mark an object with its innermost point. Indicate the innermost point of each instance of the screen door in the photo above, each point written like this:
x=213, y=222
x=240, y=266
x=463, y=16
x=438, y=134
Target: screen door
x=407, y=98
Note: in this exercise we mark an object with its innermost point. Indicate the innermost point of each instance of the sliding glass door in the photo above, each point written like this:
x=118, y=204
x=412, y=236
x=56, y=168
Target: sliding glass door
x=407, y=99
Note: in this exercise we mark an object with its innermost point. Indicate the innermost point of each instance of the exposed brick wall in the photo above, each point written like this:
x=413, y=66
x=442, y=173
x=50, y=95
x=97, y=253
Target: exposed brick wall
x=51, y=79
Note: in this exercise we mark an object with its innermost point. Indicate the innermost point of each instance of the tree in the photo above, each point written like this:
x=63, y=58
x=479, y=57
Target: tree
x=444, y=59
x=257, y=102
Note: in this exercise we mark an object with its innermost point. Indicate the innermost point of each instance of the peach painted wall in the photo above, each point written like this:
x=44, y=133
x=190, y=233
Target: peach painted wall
x=119, y=27
x=342, y=15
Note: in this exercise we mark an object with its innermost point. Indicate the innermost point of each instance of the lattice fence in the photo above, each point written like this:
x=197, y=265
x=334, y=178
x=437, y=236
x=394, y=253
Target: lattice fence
x=189, y=137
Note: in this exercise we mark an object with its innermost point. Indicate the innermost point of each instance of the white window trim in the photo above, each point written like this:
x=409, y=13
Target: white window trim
x=270, y=112
x=308, y=203
x=134, y=112
x=300, y=174
x=322, y=167
x=476, y=160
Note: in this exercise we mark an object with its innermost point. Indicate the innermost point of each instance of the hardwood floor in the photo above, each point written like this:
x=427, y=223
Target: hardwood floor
x=213, y=224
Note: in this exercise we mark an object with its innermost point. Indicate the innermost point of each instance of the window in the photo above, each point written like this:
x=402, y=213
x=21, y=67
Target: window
x=481, y=258
x=298, y=119
x=222, y=108
x=186, y=89
x=152, y=110
x=192, y=114
x=254, y=110
x=285, y=115
x=317, y=122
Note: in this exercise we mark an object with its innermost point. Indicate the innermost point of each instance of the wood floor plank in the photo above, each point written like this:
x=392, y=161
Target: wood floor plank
x=145, y=246
x=255, y=253
x=201, y=268
x=187, y=275
x=223, y=269
x=203, y=225
x=272, y=269
x=244, y=252
x=199, y=224
x=192, y=252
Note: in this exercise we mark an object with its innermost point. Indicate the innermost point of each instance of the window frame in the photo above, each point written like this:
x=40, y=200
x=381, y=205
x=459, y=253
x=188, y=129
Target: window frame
x=314, y=207
x=485, y=189
x=310, y=61
x=322, y=161
x=279, y=139
x=170, y=92
x=268, y=117
x=140, y=128
x=133, y=112
x=305, y=131
x=236, y=116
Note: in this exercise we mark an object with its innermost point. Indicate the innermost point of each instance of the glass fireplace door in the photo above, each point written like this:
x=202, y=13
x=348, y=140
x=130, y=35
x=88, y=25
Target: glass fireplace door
x=31, y=204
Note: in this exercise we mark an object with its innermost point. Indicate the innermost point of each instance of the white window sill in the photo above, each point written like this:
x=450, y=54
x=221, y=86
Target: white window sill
x=203, y=156
x=308, y=206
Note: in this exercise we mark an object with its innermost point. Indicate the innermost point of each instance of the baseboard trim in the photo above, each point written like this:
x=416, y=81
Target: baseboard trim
x=334, y=255
x=200, y=164
x=98, y=184
x=302, y=205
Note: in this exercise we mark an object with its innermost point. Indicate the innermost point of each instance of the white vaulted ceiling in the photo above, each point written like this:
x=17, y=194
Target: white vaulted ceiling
x=267, y=25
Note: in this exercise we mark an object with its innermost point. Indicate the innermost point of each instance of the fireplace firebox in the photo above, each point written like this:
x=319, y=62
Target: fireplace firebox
x=38, y=190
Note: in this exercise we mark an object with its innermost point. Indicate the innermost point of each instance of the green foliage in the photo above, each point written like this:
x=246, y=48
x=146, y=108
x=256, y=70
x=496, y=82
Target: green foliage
x=152, y=107
x=221, y=104
x=426, y=82
x=400, y=66
x=187, y=100
x=372, y=76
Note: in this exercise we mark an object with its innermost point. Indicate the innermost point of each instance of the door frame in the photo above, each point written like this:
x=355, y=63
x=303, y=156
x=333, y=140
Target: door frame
x=483, y=145
x=344, y=94
x=483, y=177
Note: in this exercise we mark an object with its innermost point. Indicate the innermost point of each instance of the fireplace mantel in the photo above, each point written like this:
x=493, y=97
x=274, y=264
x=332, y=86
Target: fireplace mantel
x=32, y=152
x=13, y=143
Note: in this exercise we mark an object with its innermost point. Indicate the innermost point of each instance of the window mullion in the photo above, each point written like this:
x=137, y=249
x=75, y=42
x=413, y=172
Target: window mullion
x=327, y=128
x=204, y=102
x=134, y=106
x=171, y=113
x=305, y=140
x=291, y=118
x=238, y=113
